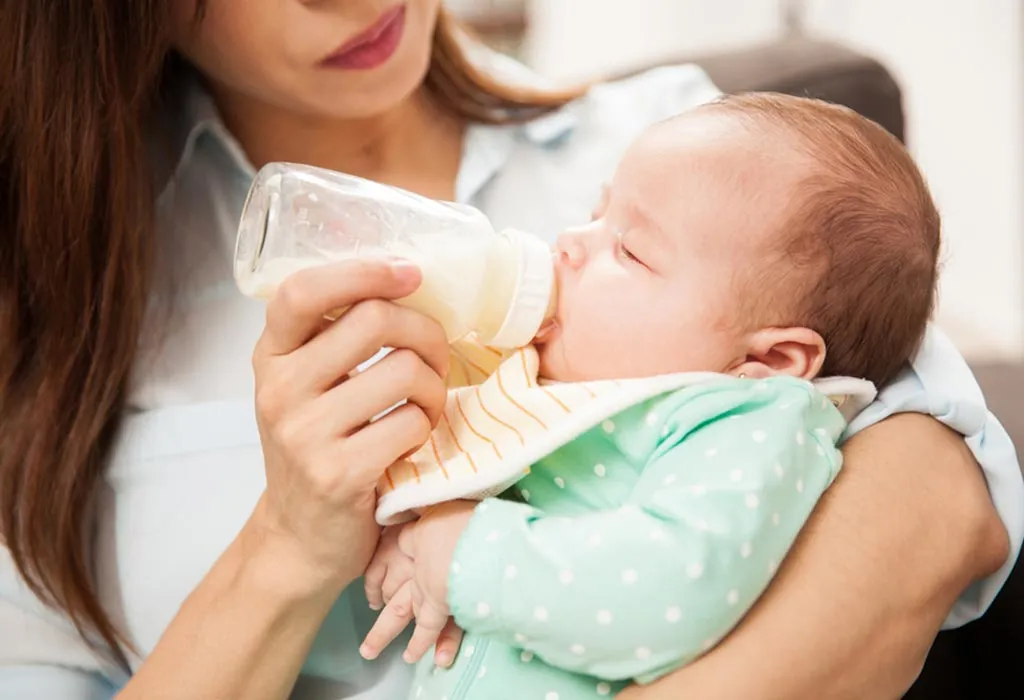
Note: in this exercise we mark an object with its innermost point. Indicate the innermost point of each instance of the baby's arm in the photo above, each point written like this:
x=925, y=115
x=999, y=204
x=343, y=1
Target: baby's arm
x=641, y=590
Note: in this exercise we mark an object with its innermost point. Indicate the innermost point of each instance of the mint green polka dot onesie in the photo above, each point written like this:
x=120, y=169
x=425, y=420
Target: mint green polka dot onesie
x=632, y=550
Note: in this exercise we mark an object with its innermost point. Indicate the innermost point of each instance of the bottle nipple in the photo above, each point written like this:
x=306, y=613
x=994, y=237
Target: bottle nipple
x=533, y=301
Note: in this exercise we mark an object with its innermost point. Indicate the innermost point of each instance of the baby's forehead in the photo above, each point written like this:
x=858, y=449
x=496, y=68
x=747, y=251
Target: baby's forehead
x=707, y=154
x=707, y=175
x=718, y=141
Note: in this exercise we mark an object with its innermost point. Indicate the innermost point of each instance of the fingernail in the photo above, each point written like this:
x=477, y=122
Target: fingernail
x=407, y=658
x=376, y=607
x=367, y=653
x=444, y=659
x=404, y=270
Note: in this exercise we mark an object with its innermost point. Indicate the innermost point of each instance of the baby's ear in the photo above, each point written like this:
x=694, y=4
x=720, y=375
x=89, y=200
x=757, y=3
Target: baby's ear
x=794, y=352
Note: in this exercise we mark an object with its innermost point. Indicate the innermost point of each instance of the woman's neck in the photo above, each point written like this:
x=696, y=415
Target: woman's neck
x=417, y=145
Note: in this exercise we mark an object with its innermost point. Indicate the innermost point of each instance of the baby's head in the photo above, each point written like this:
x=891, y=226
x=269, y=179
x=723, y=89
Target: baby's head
x=747, y=237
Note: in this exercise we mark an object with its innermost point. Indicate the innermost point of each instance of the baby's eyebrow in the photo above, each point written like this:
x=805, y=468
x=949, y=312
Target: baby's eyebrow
x=646, y=219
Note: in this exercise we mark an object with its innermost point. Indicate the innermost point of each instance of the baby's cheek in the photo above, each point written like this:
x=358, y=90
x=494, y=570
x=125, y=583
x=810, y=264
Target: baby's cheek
x=596, y=347
x=587, y=327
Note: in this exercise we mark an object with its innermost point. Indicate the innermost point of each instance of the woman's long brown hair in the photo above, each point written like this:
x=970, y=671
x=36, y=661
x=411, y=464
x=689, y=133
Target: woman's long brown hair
x=80, y=81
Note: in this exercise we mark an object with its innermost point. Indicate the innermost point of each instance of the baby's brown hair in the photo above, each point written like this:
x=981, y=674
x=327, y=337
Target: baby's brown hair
x=861, y=241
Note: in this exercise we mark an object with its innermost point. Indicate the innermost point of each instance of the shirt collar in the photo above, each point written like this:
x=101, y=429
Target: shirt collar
x=485, y=151
x=197, y=118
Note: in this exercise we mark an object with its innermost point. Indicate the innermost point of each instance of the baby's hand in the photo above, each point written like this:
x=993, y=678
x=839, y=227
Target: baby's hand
x=429, y=543
x=388, y=571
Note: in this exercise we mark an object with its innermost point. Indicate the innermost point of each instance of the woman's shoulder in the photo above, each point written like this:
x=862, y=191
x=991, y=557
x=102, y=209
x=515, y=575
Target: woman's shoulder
x=546, y=174
x=643, y=97
x=638, y=101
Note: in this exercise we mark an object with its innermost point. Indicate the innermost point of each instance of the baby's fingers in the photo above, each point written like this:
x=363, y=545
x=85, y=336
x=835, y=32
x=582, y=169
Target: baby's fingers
x=373, y=582
x=448, y=644
x=430, y=622
x=394, y=618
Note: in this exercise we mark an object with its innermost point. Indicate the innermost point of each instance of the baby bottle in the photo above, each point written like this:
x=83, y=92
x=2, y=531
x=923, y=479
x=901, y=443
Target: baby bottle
x=497, y=285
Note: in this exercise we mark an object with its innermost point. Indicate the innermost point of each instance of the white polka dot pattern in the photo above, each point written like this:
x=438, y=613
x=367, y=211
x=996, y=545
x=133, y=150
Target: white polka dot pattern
x=588, y=586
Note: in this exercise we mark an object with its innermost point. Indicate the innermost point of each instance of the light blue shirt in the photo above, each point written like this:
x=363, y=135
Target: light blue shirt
x=188, y=469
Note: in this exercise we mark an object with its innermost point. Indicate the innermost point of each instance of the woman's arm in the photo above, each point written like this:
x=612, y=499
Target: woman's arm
x=907, y=526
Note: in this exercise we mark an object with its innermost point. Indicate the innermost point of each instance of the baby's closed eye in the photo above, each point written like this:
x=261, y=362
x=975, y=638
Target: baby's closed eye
x=625, y=253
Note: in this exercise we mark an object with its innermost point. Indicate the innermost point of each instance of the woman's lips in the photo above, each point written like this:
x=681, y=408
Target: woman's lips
x=373, y=47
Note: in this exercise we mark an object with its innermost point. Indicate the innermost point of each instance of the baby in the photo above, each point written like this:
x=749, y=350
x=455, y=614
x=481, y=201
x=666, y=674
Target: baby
x=670, y=433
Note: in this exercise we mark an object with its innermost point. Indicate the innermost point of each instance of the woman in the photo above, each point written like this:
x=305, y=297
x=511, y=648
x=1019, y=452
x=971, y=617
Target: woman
x=205, y=555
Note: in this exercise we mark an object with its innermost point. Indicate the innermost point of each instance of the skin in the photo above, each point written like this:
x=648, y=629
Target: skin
x=247, y=627
x=664, y=259
x=262, y=62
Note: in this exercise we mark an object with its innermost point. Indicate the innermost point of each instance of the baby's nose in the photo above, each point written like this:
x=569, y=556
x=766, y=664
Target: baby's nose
x=570, y=249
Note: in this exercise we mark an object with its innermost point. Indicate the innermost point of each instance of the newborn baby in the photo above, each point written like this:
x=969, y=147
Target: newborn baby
x=670, y=433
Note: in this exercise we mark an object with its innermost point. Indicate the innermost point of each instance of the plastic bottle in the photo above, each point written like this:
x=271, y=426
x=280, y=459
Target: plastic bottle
x=497, y=285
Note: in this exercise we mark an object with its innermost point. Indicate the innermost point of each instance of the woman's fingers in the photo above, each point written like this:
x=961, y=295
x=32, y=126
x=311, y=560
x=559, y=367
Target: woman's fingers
x=367, y=453
x=360, y=333
x=394, y=618
x=401, y=376
x=323, y=447
x=448, y=644
x=348, y=342
x=296, y=312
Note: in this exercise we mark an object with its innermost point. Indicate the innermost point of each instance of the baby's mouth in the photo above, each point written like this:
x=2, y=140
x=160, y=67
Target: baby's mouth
x=546, y=330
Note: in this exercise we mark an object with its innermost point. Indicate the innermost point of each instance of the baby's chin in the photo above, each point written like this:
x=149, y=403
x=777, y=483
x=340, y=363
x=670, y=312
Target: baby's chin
x=553, y=366
x=559, y=362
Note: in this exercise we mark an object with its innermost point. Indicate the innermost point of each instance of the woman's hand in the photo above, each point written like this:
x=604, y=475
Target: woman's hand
x=324, y=450
x=905, y=529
